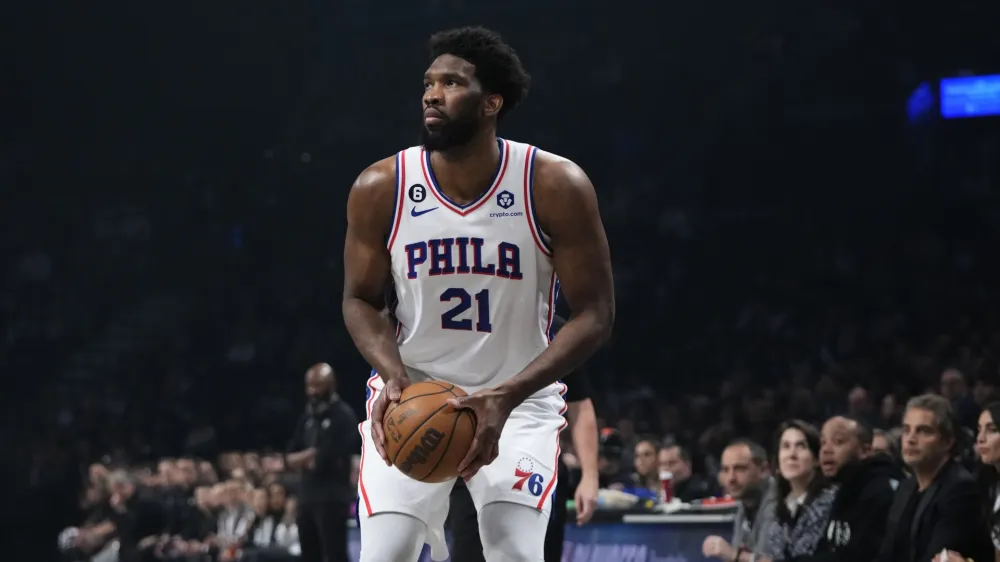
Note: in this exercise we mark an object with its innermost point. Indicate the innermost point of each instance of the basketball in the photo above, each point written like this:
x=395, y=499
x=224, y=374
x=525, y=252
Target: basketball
x=426, y=438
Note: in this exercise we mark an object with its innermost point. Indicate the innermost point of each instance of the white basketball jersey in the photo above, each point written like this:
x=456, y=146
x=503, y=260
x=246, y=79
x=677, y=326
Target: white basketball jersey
x=475, y=284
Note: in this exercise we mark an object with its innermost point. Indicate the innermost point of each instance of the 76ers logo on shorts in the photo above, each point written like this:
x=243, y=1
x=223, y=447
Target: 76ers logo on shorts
x=525, y=476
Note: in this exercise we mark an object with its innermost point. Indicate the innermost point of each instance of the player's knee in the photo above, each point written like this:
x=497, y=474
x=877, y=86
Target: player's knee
x=512, y=532
x=391, y=536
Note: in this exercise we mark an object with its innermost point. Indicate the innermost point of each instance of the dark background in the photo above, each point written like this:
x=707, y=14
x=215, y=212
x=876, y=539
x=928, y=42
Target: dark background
x=173, y=180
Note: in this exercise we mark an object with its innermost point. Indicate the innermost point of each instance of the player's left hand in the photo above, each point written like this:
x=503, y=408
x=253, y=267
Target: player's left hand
x=491, y=410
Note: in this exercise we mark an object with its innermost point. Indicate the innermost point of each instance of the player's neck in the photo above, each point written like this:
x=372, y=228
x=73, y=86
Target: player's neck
x=464, y=173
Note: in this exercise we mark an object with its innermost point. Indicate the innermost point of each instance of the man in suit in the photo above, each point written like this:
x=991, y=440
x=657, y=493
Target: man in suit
x=938, y=508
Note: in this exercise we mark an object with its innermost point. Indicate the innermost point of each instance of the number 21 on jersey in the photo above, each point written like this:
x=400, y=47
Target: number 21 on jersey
x=450, y=321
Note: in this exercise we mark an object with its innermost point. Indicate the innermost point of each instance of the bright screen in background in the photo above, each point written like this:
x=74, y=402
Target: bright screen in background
x=970, y=96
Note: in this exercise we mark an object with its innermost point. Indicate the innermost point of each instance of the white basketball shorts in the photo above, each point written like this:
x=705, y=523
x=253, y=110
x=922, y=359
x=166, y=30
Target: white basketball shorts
x=524, y=472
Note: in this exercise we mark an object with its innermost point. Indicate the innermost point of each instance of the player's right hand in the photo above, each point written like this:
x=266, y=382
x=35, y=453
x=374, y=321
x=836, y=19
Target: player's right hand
x=390, y=394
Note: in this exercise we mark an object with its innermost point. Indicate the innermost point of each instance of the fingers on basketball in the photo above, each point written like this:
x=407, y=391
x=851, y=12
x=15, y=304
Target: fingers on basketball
x=425, y=437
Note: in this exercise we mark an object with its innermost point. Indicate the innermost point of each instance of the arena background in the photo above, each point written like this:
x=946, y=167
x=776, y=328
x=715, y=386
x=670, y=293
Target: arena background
x=174, y=179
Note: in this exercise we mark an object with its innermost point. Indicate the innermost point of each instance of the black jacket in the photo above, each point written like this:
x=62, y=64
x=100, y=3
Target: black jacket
x=695, y=488
x=142, y=517
x=332, y=428
x=860, y=511
x=947, y=515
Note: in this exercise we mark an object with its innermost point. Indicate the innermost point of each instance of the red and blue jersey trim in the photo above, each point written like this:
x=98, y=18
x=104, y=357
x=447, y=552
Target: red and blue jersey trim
x=529, y=198
x=553, y=297
x=397, y=205
x=369, y=401
x=463, y=210
x=549, y=493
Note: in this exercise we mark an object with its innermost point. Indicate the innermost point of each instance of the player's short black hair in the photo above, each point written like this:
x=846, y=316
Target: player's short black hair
x=498, y=68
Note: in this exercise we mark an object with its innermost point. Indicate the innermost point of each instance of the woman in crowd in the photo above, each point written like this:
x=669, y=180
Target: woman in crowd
x=646, y=478
x=805, y=497
x=988, y=449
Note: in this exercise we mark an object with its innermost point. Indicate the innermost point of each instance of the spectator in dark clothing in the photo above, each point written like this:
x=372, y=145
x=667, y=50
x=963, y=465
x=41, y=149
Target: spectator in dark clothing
x=861, y=408
x=939, y=509
x=200, y=522
x=138, y=517
x=955, y=388
x=613, y=474
x=177, y=504
x=688, y=486
x=867, y=483
x=178, y=495
x=325, y=441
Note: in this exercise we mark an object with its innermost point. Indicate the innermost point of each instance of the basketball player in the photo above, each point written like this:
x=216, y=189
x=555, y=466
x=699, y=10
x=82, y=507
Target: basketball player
x=473, y=232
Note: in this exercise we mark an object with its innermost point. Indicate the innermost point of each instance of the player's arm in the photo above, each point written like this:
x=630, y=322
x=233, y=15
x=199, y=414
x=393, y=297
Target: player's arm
x=367, y=268
x=566, y=207
x=367, y=271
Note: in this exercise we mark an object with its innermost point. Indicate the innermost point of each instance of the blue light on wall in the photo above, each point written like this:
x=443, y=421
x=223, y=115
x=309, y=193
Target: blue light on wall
x=920, y=103
x=970, y=96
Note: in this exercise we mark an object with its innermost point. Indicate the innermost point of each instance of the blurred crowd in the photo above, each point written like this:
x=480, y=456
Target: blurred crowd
x=188, y=510
x=243, y=506
x=680, y=449
x=917, y=483
x=633, y=462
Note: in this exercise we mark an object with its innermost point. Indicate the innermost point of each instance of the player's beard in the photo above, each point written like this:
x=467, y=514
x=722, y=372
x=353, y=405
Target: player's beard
x=455, y=131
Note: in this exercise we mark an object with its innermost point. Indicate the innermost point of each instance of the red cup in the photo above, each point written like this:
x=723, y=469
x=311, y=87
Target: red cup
x=666, y=486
